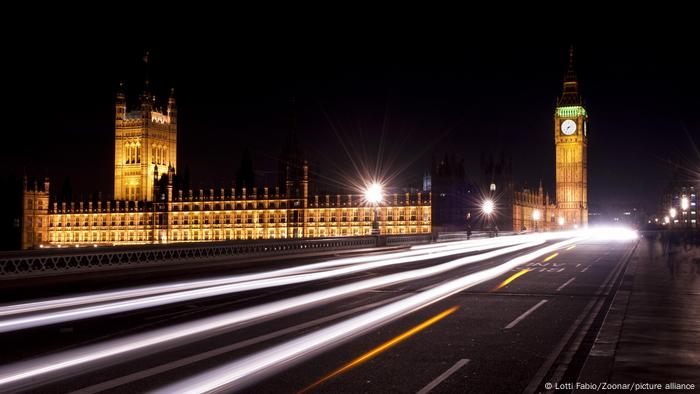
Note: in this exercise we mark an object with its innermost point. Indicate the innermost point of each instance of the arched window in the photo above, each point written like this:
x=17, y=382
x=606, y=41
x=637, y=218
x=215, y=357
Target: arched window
x=126, y=152
x=138, y=153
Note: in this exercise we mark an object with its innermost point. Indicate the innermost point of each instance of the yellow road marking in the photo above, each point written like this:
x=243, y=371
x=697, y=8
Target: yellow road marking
x=550, y=257
x=382, y=347
x=512, y=278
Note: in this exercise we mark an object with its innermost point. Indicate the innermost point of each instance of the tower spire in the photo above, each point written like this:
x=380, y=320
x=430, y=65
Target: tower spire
x=570, y=95
x=147, y=99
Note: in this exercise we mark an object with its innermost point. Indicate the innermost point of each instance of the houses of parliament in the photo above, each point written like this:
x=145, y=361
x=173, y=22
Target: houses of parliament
x=148, y=209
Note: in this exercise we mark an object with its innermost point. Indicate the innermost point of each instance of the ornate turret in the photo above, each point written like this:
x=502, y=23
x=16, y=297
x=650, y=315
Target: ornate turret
x=570, y=95
x=172, y=107
x=120, y=113
x=147, y=98
x=571, y=142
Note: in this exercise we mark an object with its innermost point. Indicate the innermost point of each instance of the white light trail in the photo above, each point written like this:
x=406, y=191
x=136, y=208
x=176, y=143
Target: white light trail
x=141, y=298
x=238, y=374
x=170, y=336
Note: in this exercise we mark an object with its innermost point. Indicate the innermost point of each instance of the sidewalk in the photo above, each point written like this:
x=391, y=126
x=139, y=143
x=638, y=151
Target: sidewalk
x=651, y=333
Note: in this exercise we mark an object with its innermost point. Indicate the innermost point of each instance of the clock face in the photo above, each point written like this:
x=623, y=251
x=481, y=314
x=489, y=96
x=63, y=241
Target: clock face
x=568, y=127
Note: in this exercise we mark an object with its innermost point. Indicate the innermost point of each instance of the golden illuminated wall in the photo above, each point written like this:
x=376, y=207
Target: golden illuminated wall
x=35, y=217
x=571, y=166
x=525, y=204
x=145, y=139
x=200, y=218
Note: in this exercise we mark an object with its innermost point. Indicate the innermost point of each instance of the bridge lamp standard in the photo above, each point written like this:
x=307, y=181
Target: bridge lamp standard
x=487, y=208
x=374, y=195
x=672, y=213
x=536, y=216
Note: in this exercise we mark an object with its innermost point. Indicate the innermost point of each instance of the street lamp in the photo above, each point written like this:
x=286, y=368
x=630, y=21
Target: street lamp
x=561, y=222
x=487, y=208
x=672, y=213
x=536, y=215
x=374, y=195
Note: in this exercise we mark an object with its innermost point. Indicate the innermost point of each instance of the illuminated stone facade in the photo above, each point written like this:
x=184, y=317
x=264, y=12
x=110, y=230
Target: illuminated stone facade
x=571, y=140
x=145, y=145
x=532, y=211
x=223, y=214
x=571, y=149
x=142, y=213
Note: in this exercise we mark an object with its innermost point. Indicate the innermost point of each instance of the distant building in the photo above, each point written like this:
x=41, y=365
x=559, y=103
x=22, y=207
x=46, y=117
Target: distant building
x=454, y=196
x=571, y=146
x=497, y=186
x=679, y=203
x=149, y=209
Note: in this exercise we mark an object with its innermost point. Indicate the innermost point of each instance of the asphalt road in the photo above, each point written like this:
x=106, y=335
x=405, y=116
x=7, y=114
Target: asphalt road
x=490, y=337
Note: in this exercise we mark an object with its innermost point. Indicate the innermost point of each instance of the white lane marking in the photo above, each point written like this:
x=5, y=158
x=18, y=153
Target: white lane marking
x=585, y=269
x=524, y=315
x=564, y=285
x=444, y=376
x=597, y=260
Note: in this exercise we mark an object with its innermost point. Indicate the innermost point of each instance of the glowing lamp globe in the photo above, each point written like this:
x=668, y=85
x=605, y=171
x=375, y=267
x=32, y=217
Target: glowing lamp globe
x=488, y=207
x=374, y=194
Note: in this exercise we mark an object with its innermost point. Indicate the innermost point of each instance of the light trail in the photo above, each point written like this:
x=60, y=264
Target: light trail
x=19, y=373
x=261, y=281
x=247, y=370
x=94, y=298
x=65, y=363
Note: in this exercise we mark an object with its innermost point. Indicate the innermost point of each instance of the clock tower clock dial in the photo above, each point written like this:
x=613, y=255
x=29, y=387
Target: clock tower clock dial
x=571, y=154
x=568, y=127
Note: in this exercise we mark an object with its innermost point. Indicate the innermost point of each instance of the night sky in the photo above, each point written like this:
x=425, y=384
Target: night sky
x=423, y=94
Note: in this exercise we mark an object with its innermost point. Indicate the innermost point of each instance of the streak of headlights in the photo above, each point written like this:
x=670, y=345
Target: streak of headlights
x=42, y=367
x=247, y=370
x=261, y=282
x=100, y=297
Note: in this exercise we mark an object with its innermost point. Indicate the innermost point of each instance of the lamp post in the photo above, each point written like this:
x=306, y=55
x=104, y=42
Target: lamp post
x=672, y=213
x=487, y=208
x=374, y=195
x=536, y=215
x=685, y=204
x=562, y=221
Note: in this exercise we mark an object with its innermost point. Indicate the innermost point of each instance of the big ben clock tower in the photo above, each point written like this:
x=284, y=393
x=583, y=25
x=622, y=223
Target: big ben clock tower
x=571, y=143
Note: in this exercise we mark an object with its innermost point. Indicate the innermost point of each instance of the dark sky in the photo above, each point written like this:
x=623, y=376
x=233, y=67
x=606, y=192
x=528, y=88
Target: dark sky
x=425, y=93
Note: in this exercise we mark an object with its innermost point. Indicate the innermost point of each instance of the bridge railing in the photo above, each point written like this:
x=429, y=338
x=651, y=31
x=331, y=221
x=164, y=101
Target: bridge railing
x=46, y=262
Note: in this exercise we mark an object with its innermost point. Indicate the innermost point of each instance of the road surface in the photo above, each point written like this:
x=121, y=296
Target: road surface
x=493, y=315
